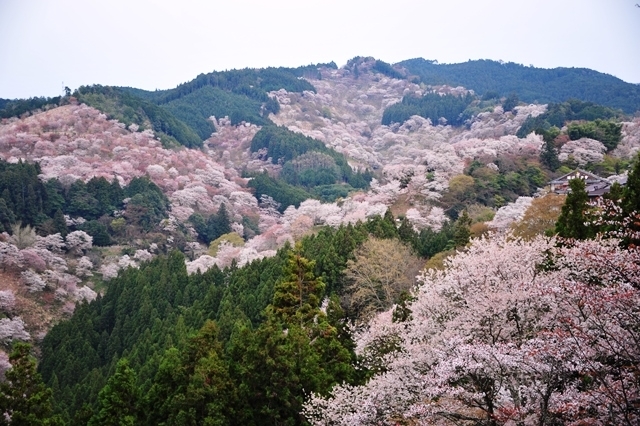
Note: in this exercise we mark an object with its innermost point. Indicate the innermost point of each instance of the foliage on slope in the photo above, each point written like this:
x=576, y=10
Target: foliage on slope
x=432, y=106
x=128, y=109
x=531, y=84
x=242, y=95
x=559, y=114
x=196, y=107
x=307, y=163
x=26, y=200
x=148, y=314
x=17, y=107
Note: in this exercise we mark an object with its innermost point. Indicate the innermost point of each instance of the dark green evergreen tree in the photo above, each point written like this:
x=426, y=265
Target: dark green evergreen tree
x=571, y=223
x=194, y=387
x=7, y=218
x=510, y=102
x=60, y=224
x=118, y=400
x=298, y=294
x=631, y=193
x=549, y=155
x=406, y=232
x=24, y=399
x=296, y=350
x=462, y=231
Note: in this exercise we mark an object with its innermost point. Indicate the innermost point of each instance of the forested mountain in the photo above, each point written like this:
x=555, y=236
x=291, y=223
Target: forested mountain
x=243, y=249
x=529, y=83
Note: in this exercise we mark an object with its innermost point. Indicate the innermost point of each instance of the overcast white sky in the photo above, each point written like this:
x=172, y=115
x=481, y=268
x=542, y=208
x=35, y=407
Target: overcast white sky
x=160, y=44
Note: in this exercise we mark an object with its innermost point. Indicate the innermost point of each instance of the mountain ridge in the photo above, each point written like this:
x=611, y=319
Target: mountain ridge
x=542, y=85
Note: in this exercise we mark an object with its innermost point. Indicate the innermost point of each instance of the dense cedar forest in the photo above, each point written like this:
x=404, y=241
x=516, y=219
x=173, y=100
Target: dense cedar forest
x=369, y=245
x=529, y=83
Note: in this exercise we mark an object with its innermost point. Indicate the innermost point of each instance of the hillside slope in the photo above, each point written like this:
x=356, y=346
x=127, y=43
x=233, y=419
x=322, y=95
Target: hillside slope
x=531, y=84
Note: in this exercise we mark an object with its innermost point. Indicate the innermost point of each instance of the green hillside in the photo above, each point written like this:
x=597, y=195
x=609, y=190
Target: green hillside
x=129, y=109
x=530, y=84
x=242, y=95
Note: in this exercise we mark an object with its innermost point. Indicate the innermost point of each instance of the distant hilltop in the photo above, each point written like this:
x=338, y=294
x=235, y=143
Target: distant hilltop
x=534, y=85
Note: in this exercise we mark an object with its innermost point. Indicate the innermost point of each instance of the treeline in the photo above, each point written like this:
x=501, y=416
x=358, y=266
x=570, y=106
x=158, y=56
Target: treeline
x=387, y=69
x=253, y=83
x=15, y=108
x=119, y=105
x=26, y=200
x=309, y=167
x=195, y=108
x=242, y=95
x=432, y=106
x=181, y=115
x=530, y=84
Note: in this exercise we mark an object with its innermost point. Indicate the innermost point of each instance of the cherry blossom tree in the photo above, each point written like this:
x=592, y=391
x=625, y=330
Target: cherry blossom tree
x=7, y=301
x=512, y=332
x=10, y=256
x=33, y=281
x=84, y=266
x=109, y=271
x=13, y=329
x=33, y=260
x=78, y=242
x=53, y=242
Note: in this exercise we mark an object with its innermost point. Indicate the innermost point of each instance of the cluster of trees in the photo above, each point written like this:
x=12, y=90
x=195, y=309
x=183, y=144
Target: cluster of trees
x=308, y=164
x=593, y=121
x=195, y=108
x=614, y=215
x=240, y=81
x=432, y=106
x=246, y=345
x=26, y=200
x=181, y=115
x=512, y=332
x=240, y=345
x=529, y=83
x=128, y=109
x=283, y=193
x=386, y=69
x=484, y=183
x=15, y=108
x=212, y=227
x=242, y=95
x=607, y=132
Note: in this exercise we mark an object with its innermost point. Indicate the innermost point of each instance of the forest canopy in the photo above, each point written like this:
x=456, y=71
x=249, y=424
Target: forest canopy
x=529, y=83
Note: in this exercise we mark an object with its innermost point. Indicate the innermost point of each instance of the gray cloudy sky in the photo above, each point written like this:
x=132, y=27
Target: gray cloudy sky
x=159, y=44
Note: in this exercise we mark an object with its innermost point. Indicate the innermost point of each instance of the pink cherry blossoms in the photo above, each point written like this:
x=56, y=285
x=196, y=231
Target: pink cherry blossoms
x=510, y=333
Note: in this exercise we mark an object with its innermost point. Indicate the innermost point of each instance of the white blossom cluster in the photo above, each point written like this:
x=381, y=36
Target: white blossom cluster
x=509, y=214
x=13, y=329
x=583, y=151
x=496, y=336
